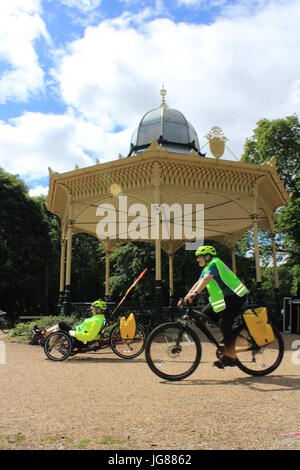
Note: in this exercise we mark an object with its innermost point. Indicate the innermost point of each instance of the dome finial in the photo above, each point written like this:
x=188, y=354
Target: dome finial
x=163, y=93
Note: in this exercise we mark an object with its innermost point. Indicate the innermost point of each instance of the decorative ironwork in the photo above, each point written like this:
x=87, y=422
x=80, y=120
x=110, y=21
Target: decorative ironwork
x=216, y=140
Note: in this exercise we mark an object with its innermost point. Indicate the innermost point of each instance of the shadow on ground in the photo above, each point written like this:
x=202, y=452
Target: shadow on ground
x=279, y=383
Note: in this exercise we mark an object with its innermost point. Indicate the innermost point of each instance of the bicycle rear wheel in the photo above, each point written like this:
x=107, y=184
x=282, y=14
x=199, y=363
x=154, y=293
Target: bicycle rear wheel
x=173, y=351
x=128, y=348
x=4, y=330
x=4, y=326
x=58, y=346
x=258, y=361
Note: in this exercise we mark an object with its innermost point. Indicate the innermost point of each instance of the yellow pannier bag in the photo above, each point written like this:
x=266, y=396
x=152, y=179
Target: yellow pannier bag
x=257, y=324
x=127, y=327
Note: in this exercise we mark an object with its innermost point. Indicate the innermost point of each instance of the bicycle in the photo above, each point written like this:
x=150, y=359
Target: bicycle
x=5, y=323
x=59, y=345
x=173, y=349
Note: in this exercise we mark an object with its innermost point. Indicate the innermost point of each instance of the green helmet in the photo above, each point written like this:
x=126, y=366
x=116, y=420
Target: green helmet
x=206, y=250
x=99, y=304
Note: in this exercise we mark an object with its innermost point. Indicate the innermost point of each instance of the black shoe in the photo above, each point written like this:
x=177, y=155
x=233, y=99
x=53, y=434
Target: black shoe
x=226, y=362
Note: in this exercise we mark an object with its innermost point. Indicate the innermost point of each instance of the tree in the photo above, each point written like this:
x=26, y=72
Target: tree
x=88, y=268
x=127, y=262
x=24, y=245
x=279, y=138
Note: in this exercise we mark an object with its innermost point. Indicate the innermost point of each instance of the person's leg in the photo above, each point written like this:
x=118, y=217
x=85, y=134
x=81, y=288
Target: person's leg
x=63, y=326
x=233, y=306
x=208, y=311
x=51, y=330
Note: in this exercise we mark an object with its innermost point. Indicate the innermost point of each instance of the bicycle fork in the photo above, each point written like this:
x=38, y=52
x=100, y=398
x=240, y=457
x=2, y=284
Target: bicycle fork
x=177, y=347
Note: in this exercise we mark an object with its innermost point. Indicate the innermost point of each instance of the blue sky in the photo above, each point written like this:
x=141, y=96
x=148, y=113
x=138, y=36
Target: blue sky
x=76, y=76
x=66, y=23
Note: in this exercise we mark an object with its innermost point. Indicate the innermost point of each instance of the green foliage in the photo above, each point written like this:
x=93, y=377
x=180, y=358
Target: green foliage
x=53, y=255
x=279, y=138
x=24, y=247
x=127, y=262
x=83, y=443
x=287, y=227
x=23, y=330
x=30, y=245
x=288, y=281
x=88, y=268
x=109, y=440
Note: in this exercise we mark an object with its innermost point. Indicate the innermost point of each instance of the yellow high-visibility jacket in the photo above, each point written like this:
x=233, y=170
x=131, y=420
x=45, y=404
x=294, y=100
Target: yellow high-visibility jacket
x=89, y=329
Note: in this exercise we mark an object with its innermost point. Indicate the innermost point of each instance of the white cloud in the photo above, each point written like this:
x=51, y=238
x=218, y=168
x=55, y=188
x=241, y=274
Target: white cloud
x=230, y=73
x=39, y=191
x=83, y=5
x=20, y=26
x=33, y=142
x=207, y=4
x=189, y=3
x=296, y=92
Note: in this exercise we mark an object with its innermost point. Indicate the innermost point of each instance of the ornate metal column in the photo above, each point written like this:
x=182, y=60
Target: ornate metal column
x=276, y=278
x=259, y=296
x=67, y=297
x=158, y=284
x=171, y=278
x=62, y=273
x=107, y=253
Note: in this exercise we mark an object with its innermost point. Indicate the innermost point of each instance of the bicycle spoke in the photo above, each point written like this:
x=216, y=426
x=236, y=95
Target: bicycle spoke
x=256, y=360
x=58, y=346
x=128, y=348
x=170, y=357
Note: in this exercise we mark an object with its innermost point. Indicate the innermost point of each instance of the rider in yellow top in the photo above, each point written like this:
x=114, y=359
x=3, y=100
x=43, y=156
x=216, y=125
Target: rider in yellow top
x=227, y=294
x=87, y=331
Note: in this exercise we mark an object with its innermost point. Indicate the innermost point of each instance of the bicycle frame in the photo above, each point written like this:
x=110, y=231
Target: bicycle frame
x=201, y=325
x=194, y=315
x=103, y=342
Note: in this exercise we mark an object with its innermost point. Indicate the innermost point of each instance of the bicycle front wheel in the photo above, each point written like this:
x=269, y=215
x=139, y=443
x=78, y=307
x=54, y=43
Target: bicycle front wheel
x=173, y=351
x=258, y=361
x=128, y=348
x=58, y=346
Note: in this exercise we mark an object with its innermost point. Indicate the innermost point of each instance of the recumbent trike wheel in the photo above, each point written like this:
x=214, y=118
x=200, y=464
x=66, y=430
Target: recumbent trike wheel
x=58, y=346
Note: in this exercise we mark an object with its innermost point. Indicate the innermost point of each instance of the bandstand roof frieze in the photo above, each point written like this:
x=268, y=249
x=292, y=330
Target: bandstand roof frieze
x=175, y=175
x=184, y=171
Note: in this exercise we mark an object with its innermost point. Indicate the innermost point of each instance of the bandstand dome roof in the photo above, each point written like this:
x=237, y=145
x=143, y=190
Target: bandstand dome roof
x=167, y=125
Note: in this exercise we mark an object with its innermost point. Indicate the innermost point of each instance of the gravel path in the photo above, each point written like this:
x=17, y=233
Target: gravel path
x=99, y=401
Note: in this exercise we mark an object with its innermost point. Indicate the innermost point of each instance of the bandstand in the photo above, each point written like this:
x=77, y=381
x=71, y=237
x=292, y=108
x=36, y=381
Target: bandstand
x=165, y=166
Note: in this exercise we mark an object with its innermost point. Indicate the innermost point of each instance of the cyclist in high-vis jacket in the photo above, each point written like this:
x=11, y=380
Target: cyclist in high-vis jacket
x=88, y=330
x=227, y=294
